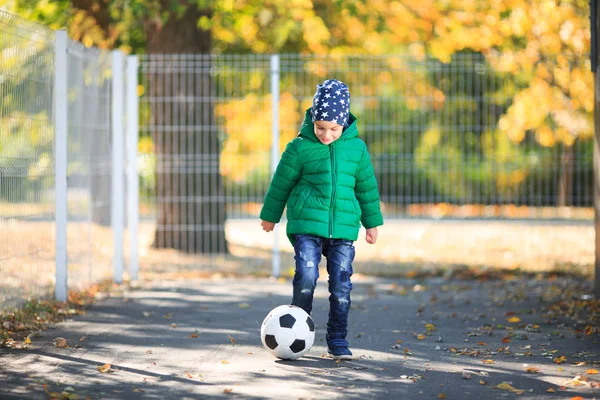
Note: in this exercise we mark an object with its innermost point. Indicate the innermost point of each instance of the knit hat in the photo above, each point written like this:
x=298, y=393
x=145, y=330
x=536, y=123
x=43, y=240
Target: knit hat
x=331, y=103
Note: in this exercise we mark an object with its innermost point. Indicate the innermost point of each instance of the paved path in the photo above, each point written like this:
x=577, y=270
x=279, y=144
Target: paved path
x=145, y=336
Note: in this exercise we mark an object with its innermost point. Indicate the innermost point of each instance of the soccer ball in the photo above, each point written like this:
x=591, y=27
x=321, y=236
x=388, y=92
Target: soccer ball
x=288, y=332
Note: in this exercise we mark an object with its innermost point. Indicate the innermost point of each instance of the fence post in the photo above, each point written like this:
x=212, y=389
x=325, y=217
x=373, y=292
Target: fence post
x=60, y=162
x=276, y=262
x=118, y=153
x=132, y=158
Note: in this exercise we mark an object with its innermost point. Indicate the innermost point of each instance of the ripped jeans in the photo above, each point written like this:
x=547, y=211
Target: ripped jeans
x=339, y=254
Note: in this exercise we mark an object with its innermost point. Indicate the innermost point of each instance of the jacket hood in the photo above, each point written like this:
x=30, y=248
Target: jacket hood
x=307, y=130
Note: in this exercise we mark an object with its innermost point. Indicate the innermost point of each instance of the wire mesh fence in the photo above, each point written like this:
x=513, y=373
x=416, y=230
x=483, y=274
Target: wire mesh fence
x=28, y=167
x=455, y=189
x=26, y=161
x=459, y=185
x=89, y=165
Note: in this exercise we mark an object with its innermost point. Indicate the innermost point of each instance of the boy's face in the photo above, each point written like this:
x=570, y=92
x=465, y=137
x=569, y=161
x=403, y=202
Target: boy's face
x=328, y=132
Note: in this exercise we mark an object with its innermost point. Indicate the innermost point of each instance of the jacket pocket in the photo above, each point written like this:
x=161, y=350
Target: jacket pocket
x=299, y=204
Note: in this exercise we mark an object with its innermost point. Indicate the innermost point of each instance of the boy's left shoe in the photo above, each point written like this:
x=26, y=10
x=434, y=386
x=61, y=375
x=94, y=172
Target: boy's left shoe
x=340, y=353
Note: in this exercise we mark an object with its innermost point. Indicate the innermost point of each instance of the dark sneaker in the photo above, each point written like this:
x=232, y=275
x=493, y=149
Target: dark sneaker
x=340, y=353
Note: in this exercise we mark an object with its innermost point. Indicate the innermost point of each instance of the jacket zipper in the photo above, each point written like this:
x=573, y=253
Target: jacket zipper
x=332, y=157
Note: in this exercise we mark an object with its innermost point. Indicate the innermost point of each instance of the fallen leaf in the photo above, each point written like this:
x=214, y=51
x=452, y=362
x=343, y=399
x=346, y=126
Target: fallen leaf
x=420, y=336
x=482, y=343
x=551, y=390
x=104, y=368
x=430, y=327
x=194, y=335
x=232, y=340
x=27, y=340
x=506, y=340
x=513, y=320
x=533, y=370
x=577, y=398
x=488, y=361
x=83, y=338
x=560, y=360
x=441, y=396
x=509, y=387
x=244, y=305
x=227, y=390
x=148, y=351
x=61, y=342
x=188, y=375
x=482, y=382
x=591, y=371
x=224, y=362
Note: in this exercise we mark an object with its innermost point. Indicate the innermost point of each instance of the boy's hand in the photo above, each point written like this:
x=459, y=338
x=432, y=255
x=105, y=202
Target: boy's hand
x=371, y=235
x=269, y=226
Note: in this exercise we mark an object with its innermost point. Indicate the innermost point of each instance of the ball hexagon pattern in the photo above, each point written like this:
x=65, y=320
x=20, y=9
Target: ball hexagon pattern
x=288, y=332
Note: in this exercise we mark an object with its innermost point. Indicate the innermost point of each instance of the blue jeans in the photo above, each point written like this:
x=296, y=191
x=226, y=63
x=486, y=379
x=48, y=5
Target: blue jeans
x=339, y=254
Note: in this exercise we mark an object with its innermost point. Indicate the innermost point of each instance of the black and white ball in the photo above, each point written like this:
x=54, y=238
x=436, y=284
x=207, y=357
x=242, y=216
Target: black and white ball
x=288, y=332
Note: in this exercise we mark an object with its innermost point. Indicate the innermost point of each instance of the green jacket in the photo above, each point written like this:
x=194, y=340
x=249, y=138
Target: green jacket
x=329, y=190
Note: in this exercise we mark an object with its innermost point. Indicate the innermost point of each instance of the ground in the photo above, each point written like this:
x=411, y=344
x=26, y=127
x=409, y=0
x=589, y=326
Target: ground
x=454, y=337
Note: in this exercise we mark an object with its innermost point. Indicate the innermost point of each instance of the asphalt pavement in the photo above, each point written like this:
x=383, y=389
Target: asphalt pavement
x=412, y=339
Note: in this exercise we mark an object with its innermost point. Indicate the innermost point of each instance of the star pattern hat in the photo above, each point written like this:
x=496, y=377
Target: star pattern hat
x=331, y=102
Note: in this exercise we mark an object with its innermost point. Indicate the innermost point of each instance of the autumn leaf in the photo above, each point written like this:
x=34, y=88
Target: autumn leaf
x=441, y=396
x=232, y=340
x=591, y=371
x=482, y=382
x=224, y=362
x=506, y=340
x=227, y=391
x=105, y=368
x=509, y=387
x=27, y=340
x=420, y=336
x=61, y=342
x=513, y=320
x=532, y=370
x=430, y=327
x=481, y=343
x=188, y=375
x=560, y=360
x=488, y=361
x=551, y=390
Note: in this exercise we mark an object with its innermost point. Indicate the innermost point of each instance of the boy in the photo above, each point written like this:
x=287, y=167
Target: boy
x=326, y=179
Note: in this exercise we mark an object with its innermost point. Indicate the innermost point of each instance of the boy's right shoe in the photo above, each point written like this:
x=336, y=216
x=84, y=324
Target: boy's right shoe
x=340, y=352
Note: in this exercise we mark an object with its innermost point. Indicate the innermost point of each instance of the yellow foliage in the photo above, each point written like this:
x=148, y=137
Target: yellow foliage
x=247, y=125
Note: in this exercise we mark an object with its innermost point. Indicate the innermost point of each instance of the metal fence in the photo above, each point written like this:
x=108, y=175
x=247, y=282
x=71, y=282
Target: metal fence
x=455, y=190
x=58, y=126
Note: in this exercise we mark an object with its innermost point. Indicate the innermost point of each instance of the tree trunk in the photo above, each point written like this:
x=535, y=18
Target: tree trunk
x=565, y=184
x=190, y=198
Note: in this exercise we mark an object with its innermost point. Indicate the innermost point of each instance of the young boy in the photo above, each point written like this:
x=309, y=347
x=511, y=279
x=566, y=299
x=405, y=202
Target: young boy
x=326, y=179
